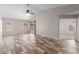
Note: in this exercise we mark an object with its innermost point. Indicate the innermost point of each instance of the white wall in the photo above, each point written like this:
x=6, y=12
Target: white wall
x=0, y=29
x=78, y=28
x=0, y=26
x=15, y=26
x=47, y=21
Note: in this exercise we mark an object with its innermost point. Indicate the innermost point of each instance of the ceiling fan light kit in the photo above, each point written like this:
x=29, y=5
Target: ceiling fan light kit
x=28, y=14
x=28, y=11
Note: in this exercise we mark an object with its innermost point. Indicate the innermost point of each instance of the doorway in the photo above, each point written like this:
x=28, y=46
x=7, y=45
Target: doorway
x=67, y=28
x=33, y=27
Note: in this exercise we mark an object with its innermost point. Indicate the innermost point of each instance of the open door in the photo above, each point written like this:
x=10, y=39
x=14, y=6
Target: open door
x=67, y=28
x=33, y=27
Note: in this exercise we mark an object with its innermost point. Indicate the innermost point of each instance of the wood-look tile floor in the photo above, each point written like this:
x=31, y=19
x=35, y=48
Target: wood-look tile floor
x=30, y=44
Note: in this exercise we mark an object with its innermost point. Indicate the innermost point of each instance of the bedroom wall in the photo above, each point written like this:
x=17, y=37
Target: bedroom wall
x=77, y=28
x=47, y=22
x=0, y=29
x=14, y=26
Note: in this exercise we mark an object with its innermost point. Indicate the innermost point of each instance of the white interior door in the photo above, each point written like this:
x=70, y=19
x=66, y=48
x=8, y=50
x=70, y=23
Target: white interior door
x=67, y=28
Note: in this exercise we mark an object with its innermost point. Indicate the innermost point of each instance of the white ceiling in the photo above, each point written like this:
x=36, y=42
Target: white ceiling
x=18, y=10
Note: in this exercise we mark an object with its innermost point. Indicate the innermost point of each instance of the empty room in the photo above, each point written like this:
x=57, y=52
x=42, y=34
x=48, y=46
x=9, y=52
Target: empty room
x=39, y=28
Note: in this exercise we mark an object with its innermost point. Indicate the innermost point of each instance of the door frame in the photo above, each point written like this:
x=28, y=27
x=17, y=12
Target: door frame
x=66, y=16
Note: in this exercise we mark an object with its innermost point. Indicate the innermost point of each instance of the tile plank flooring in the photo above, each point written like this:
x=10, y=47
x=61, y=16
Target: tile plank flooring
x=30, y=44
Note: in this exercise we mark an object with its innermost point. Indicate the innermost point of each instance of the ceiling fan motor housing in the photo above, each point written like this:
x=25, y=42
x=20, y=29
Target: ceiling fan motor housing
x=27, y=11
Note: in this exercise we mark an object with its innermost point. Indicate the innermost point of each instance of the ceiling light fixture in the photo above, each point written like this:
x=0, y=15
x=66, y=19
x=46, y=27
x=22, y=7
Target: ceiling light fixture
x=29, y=12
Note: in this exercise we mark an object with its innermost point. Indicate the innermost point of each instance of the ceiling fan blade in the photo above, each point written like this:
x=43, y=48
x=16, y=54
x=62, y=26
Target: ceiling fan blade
x=28, y=10
x=32, y=13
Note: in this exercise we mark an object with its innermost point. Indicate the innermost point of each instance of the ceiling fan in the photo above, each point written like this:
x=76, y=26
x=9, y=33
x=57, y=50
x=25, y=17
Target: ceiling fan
x=28, y=10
